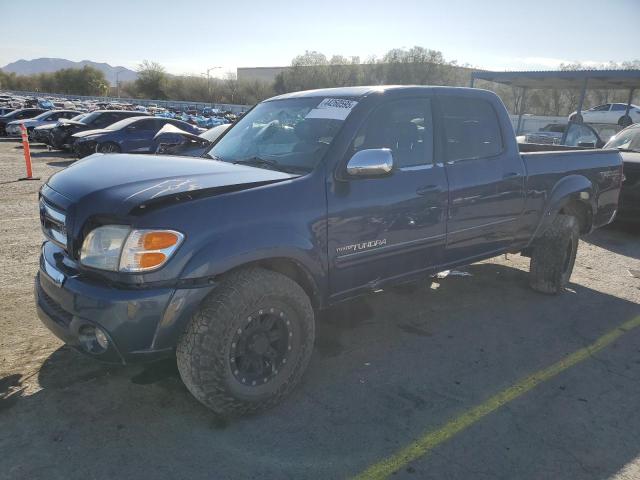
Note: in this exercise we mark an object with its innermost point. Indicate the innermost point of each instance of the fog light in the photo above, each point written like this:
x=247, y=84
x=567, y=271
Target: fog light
x=93, y=340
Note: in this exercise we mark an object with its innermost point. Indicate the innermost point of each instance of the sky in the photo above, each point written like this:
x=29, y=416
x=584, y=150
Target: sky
x=190, y=36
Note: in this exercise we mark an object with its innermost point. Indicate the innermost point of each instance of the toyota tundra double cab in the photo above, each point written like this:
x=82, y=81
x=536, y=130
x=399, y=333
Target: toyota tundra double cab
x=310, y=199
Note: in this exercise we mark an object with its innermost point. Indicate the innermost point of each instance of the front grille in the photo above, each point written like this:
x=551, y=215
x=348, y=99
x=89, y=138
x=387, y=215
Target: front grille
x=53, y=221
x=55, y=311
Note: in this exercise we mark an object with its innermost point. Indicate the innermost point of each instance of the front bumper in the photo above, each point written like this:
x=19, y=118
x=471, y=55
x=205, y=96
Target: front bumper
x=60, y=139
x=13, y=131
x=39, y=136
x=142, y=324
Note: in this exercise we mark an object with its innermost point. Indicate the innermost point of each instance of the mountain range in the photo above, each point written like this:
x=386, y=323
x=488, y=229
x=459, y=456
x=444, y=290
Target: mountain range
x=46, y=65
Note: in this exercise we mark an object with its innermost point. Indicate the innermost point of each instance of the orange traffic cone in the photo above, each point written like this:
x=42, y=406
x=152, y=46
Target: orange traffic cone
x=27, y=154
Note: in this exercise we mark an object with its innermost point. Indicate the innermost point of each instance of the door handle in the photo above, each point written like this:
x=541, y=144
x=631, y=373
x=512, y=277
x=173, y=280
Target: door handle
x=511, y=175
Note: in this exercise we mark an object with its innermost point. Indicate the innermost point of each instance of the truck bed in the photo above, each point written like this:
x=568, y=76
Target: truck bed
x=597, y=174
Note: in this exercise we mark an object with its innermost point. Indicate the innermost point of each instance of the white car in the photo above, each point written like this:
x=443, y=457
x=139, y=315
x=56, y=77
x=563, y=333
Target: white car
x=609, y=113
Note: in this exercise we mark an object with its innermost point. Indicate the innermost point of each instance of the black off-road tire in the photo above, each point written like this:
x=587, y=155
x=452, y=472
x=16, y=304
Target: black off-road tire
x=204, y=351
x=553, y=256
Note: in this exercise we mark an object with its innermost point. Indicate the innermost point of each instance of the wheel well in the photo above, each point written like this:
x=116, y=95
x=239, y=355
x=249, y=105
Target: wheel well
x=581, y=211
x=296, y=272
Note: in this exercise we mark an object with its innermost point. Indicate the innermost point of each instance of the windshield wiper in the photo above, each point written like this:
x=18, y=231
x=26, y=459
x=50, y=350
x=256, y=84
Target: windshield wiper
x=258, y=162
x=271, y=165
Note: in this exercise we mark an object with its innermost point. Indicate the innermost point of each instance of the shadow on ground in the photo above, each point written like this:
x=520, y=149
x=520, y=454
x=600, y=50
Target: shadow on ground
x=386, y=368
x=621, y=238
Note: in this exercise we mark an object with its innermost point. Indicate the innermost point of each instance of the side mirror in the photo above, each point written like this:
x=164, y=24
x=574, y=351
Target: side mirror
x=371, y=163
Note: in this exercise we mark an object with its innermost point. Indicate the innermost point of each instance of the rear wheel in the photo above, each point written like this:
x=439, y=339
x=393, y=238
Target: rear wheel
x=625, y=121
x=553, y=255
x=249, y=343
x=108, y=147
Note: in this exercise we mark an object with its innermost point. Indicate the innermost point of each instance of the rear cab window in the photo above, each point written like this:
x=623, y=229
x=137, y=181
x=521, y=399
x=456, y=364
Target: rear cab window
x=471, y=127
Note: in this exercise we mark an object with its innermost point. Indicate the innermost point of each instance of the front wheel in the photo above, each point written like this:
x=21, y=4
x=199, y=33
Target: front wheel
x=108, y=147
x=553, y=256
x=249, y=343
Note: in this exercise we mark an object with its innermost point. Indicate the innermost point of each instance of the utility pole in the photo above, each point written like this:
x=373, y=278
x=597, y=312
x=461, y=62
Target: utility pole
x=209, y=93
x=118, y=82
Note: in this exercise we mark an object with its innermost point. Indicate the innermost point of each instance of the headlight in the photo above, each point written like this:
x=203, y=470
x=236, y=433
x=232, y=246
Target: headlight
x=118, y=248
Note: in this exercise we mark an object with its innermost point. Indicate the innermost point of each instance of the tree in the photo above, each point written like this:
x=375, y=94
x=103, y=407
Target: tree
x=151, y=81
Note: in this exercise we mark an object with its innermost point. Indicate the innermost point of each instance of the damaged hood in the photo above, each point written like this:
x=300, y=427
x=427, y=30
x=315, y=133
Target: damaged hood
x=125, y=182
x=169, y=129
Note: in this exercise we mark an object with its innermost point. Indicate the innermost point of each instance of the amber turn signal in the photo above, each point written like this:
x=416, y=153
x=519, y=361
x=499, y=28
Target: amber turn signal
x=150, y=260
x=159, y=240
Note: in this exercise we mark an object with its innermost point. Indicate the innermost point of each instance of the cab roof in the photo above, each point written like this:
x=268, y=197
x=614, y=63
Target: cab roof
x=360, y=92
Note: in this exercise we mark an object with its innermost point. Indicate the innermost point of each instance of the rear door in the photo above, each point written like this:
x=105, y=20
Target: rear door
x=387, y=227
x=486, y=180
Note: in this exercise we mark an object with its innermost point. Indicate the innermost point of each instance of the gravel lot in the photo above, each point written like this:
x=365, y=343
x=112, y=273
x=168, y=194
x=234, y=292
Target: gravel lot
x=386, y=369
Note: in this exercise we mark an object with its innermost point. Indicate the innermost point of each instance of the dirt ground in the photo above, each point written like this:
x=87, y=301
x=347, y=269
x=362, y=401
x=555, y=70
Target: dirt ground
x=386, y=369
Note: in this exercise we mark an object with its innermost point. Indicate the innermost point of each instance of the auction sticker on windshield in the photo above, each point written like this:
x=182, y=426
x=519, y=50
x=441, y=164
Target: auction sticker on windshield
x=332, y=108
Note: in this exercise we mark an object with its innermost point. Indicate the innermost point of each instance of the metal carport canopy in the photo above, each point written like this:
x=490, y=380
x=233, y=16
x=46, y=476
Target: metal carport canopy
x=601, y=79
x=571, y=79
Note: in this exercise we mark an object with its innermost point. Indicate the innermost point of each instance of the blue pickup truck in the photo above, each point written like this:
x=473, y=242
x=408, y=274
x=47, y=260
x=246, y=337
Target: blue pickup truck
x=310, y=199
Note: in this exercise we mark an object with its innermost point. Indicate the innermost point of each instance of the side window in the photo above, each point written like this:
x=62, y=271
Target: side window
x=602, y=108
x=471, y=128
x=618, y=107
x=146, y=125
x=405, y=127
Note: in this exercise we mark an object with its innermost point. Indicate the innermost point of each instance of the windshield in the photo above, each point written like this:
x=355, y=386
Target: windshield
x=287, y=135
x=123, y=123
x=626, y=140
x=45, y=115
x=90, y=117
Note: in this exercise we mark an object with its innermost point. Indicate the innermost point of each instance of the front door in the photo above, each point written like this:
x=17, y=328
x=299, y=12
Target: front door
x=139, y=135
x=386, y=227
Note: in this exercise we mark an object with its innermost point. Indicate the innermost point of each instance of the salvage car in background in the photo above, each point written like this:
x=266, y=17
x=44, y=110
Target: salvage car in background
x=628, y=143
x=41, y=134
x=172, y=141
x=20, y=114
x=579, y=135
x=609, y=113
x=131, y=135
x=61, y=135
x=47, y=118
